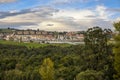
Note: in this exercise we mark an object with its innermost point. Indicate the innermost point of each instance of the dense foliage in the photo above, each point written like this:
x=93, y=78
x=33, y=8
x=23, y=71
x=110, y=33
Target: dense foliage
x=90, y=75
x=116, y=50
x=21, y=63
x=92, y=61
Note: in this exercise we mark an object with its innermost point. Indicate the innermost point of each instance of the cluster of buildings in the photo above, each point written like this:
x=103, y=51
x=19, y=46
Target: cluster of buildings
x=42, y=36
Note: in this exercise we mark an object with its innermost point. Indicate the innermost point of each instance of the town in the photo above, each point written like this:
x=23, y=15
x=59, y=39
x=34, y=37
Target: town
x=41, y=36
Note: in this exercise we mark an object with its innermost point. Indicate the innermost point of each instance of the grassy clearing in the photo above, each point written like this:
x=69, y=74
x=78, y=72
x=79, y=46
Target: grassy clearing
x=31, y=45
x=6, y=30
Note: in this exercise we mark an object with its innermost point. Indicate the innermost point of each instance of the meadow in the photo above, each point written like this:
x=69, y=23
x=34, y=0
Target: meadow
x=32, y=45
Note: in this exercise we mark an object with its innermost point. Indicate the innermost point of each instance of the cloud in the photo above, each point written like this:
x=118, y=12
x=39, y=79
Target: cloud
x=62, y=2
x=48, y=18
x=114, y=9
x=81, y=19
x=7, y=1
x=41, y=11
x=15, y=24
x=74, y=13
x=101, y=12
x=27, y=17
x=50, y=24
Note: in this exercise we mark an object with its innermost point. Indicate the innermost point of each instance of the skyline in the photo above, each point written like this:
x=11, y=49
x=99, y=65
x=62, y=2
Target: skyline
x=58, y=15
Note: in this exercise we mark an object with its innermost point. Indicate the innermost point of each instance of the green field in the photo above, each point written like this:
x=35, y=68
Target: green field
x=31, y=45
x=6, y=30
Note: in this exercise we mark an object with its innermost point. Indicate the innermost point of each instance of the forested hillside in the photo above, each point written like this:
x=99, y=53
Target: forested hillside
x=92, y=61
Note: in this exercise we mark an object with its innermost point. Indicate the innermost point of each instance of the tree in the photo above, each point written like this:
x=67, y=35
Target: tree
x=90, y=75
x=117, y=26
x=47, y=69
x=98, y=52
x=96, y=39
x=96, y=44
x=116, y=49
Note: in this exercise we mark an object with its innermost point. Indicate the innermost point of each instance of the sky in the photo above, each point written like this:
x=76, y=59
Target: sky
x=59, y=15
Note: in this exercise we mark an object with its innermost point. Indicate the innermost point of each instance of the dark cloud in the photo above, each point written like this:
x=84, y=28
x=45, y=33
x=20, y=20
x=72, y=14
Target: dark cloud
x=114, y=9
x=91, y=16
x=9, y=13
x=40, y=11
x=15, y=24
x=50, y=24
